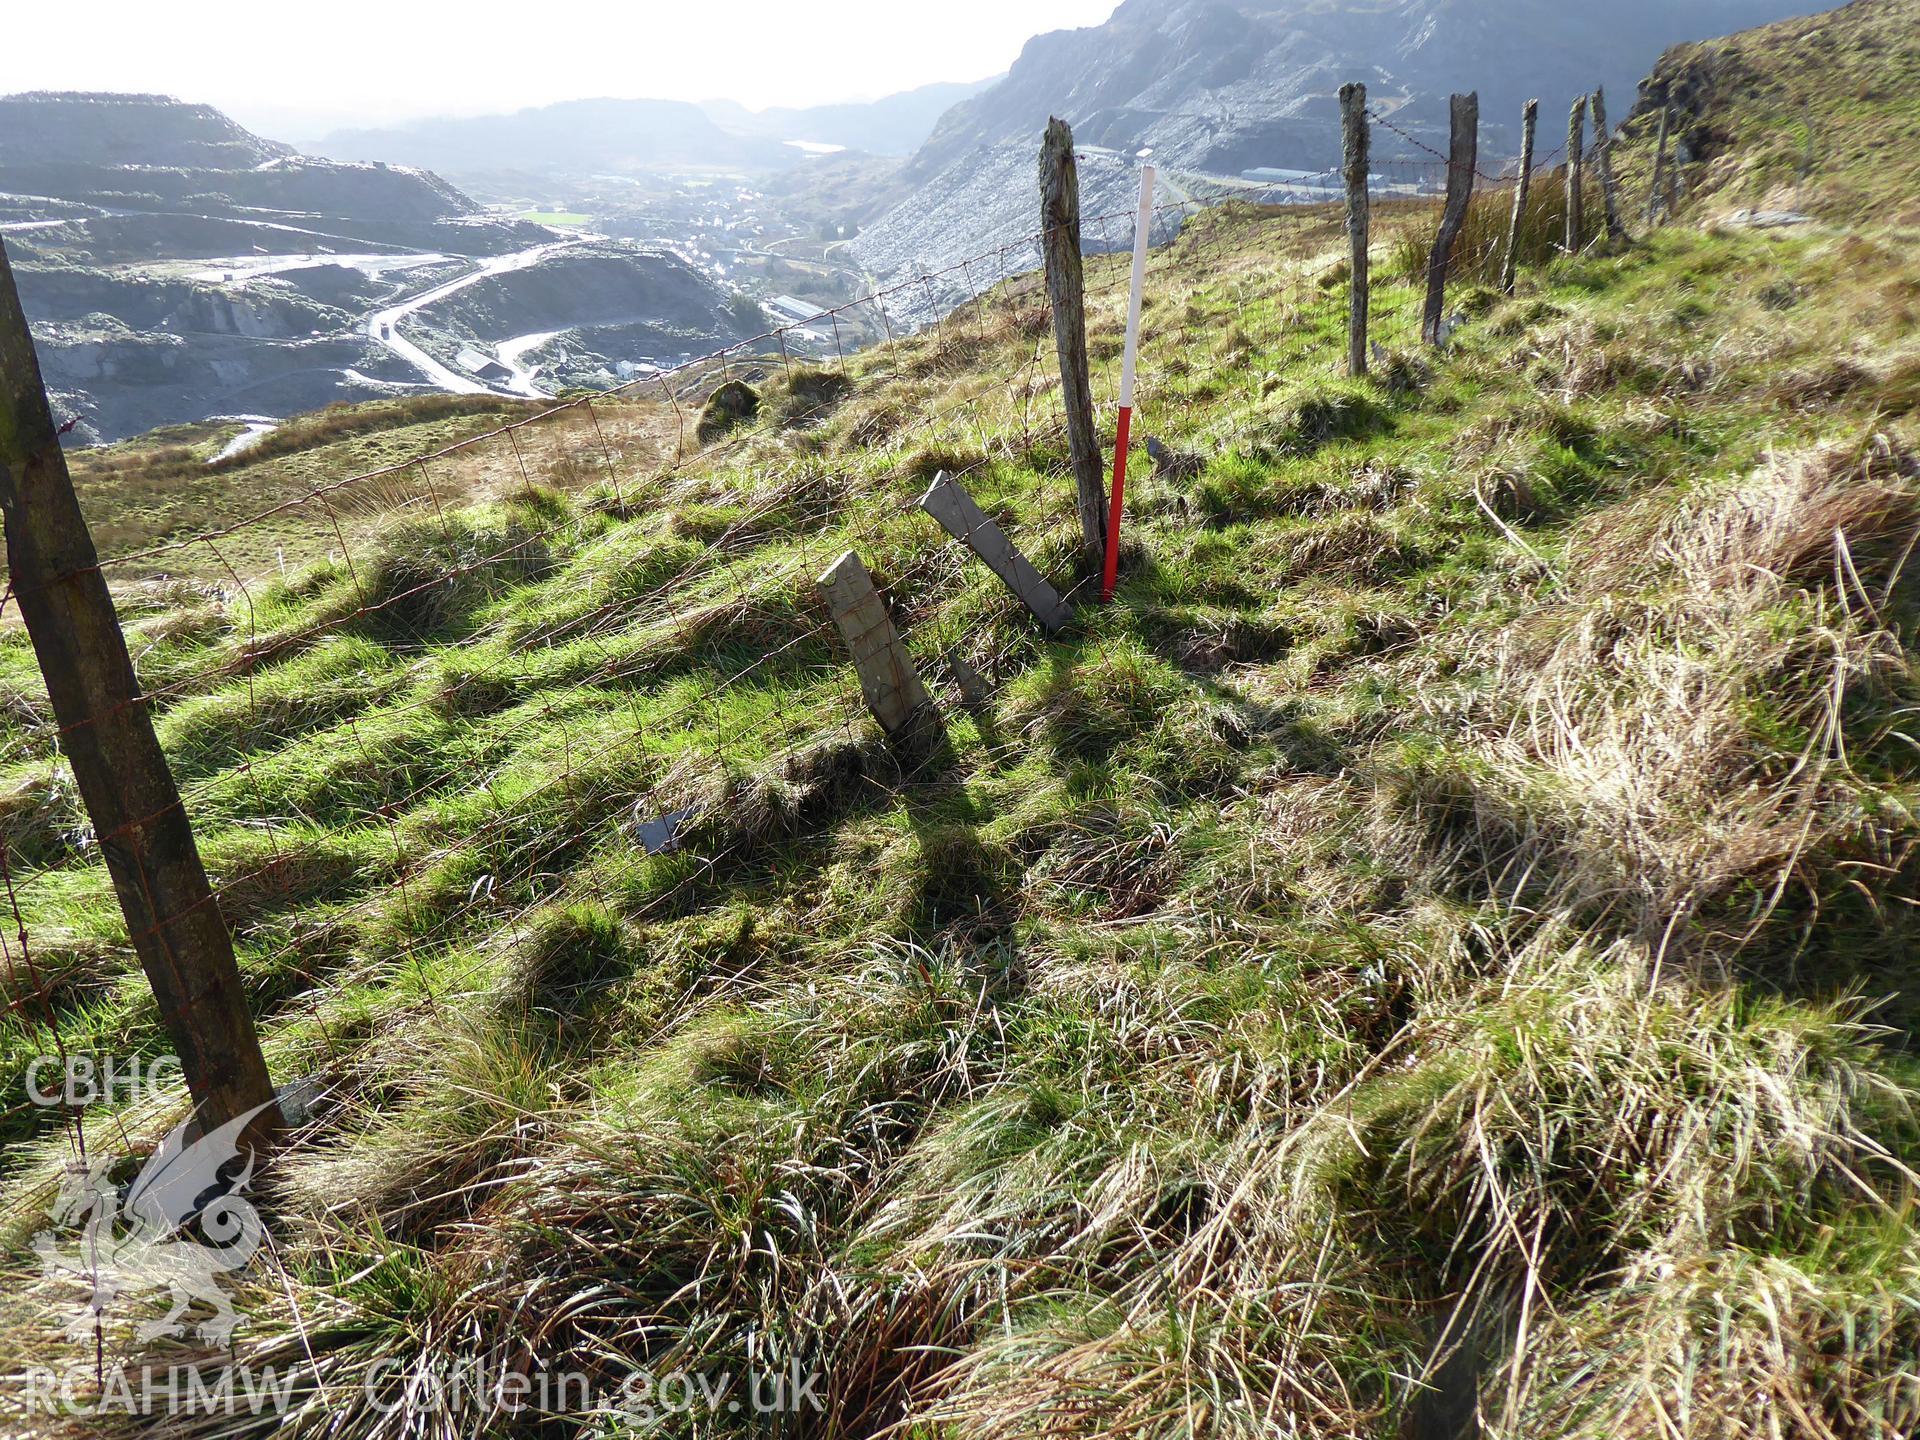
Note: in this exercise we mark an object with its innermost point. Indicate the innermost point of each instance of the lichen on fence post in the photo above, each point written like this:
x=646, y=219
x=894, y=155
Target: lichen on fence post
x=889, y=682
x=106, y=731
x=1659, y=164
x=1060, y=239
x=1603, y=157
x=1357, y=156
x=1576, y=236
x=1463, y=154
x=958, y=514
x=1529, y=125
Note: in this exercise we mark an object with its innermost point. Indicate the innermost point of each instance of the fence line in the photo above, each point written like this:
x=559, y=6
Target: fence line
x=697, y=754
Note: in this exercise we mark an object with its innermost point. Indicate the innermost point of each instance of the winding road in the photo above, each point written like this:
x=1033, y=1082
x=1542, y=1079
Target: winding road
x=258, y=428
x=509, y=353
x=383, y=326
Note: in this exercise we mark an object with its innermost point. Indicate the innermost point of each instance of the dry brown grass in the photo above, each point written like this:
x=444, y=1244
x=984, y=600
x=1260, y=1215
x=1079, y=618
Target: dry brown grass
x=1625, y=761
x=1808, y=518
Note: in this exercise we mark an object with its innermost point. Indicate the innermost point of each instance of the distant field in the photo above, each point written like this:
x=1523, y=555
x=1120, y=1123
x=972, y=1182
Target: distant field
x=555, y=217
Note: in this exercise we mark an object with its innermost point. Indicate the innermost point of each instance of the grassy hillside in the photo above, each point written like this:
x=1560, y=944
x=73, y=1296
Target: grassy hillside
x=1816, y=114
x=168, y=485
x=1441, y=939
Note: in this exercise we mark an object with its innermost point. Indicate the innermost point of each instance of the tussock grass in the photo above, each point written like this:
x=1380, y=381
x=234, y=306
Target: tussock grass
x=808, y=394
x=1438, y=946
x=730, y=404
x=149, y=490
x=1480, y=254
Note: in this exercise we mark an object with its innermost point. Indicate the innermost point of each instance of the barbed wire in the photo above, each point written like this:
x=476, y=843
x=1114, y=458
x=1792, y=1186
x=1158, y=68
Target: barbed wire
x=1540, y=162
x=782, y=515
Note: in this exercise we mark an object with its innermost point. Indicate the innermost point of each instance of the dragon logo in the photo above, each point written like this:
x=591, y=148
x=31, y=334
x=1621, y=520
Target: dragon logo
x=181, y=1224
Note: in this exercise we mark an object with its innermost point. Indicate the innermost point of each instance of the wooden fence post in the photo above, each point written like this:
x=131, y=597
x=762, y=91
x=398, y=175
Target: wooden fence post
x=107, y=733
x=1603, y=155
x=888, y=680
x=947, y=502
x=1530, y=122
x=1060, y=232
x=1463, y=154
x=1358, y=147
x=1676, y=176
x=975, y=694
x=1659, y=163
x=1576, y=177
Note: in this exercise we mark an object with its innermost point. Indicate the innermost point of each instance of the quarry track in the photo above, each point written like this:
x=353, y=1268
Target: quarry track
x=383, y=326
x=508, y=353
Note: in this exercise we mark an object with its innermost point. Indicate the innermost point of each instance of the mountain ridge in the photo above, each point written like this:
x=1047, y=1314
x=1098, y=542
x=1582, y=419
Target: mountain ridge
x=113, y=128
x=1757, y=112
x=627, y=134
x=896, y=124
x=1222, y=85
x=1219, y=88
x=577, y=136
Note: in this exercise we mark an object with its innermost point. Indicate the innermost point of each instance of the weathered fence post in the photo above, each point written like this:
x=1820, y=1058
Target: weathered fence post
x=1353, y=124
x=1530, y=122
x=1659, y=163
x=1676, y=175
x=888, y=680
x=1576, y=176
x=1603, y=155
x=1060, y=236
x=961, y=518
x=975, y=694
x=107, y=733
x=1463, y=154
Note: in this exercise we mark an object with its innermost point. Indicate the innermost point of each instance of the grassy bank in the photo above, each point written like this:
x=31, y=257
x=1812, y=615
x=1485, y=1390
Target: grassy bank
x=1441, y=939
x=169, y=486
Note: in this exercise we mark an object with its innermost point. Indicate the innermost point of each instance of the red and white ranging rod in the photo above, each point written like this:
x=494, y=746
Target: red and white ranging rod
x=1141, y=227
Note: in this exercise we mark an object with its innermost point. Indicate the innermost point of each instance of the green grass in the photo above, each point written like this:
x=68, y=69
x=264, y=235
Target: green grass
x=1815, y=113
x=556, y=217
x=1459, y=889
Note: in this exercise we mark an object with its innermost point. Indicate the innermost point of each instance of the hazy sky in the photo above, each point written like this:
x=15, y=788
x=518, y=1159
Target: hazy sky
x=295, y=70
